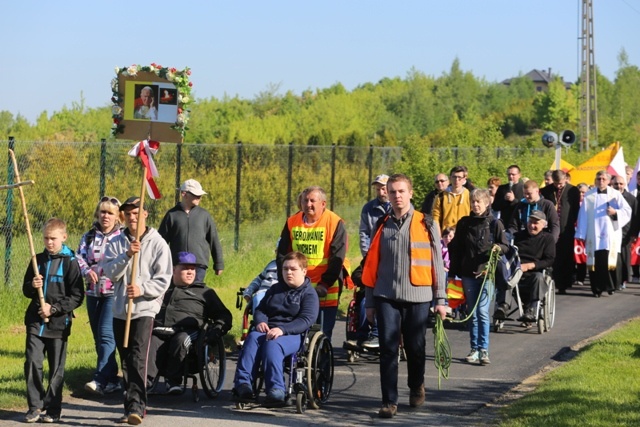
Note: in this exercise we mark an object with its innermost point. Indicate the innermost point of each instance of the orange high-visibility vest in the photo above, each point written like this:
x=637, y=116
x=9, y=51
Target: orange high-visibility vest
x=421, y=273
x=314, y=241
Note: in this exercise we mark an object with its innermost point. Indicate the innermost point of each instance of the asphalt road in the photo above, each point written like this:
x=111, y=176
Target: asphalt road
x=516, y=354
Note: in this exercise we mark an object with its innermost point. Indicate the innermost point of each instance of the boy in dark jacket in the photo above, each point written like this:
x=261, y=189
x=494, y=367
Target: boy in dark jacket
x=61, y=282
x=186, y=307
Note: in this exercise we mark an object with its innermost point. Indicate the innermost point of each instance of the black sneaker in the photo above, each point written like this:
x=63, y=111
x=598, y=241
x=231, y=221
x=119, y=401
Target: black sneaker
x=529, y=316
x=49, y=418
x=32, y=416
x=243, y=393
x=501, y=312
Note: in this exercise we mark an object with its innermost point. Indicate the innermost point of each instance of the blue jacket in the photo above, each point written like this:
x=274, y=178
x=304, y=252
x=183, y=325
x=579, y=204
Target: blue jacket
x=293, y=310
x=63, y=289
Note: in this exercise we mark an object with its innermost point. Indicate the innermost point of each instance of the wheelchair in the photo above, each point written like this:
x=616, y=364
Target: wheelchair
x=309, y=371
x=546, y=310
x=352, y=324
x=206, y=361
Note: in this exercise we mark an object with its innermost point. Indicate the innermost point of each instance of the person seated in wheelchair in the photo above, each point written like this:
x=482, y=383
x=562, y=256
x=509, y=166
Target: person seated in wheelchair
x=254, y=293
x=186, y=307
x=537, y=251
x=286, y=312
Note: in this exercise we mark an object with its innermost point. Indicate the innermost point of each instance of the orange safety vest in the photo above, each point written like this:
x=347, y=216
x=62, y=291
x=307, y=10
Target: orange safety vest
x=314, y=241
x=421, y=273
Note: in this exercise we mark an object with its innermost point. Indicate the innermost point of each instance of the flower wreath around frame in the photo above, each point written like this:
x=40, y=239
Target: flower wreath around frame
x=180, y=78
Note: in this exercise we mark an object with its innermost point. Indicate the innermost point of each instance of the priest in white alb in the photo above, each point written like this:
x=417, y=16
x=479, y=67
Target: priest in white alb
x=602, y=215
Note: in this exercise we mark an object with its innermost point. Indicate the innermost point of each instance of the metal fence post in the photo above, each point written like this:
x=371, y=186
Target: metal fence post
x=8, y=227
x=103, y=166
x=370, y=166
x=236, y=241
x=289, y=179
x=178, y=171
x=333, y=174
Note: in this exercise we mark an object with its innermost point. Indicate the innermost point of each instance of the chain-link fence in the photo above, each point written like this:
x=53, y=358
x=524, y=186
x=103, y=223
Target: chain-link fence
x=246, y=184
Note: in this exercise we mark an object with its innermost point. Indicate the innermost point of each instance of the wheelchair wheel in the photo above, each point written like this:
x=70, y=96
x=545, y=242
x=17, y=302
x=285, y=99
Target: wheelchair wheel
x=550, y=307
x=319, y=370
x=301, y=402
x=212, y=363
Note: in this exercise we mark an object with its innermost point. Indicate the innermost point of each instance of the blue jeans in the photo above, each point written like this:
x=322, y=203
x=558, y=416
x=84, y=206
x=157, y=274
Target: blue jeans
x=480, y=322
x=365, y=329
x=271, y=353
x=327, y=318
x=101, y=321
x=398, y=320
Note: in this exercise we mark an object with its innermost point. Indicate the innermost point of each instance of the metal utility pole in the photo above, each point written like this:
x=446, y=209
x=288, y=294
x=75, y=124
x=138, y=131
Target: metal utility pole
x=588, y=98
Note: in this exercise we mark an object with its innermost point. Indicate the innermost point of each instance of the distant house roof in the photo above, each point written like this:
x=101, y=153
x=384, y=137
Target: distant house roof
x=539, y=76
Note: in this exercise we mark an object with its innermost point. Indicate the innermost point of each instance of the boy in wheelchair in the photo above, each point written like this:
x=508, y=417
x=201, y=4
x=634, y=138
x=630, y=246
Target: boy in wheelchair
x=186, y=307
x=286, y=312
x=537, y=251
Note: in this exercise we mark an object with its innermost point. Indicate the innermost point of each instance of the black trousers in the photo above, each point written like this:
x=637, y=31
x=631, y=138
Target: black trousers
x=56, y=351
x=133, y=360
x=564, y=263
x=600, y=276
x=532, y=287
x=167, y=355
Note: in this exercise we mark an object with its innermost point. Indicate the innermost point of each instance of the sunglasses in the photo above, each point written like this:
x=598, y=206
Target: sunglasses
x=113, y=200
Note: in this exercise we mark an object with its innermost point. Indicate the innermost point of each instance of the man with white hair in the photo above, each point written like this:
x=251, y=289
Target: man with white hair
x=602, y=215
x=537, y=250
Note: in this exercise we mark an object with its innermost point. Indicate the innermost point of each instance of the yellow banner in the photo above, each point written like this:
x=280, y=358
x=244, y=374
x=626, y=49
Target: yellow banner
x=586, y=172
x=565, y=166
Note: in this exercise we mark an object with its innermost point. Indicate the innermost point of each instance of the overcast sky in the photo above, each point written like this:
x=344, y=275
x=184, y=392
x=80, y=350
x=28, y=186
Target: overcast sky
x=56, y=52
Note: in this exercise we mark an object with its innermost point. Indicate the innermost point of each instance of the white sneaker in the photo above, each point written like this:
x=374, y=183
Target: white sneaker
x=94, y=387
x=473, y=356
x=112, y=387
x=174, y=389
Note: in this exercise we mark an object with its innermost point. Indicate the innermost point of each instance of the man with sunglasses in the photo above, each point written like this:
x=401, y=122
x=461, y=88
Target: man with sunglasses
x=441, y=184
x=453, y=203
x=189, y=228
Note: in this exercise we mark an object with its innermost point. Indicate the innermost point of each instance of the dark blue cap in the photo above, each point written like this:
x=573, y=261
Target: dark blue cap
x=186, y=258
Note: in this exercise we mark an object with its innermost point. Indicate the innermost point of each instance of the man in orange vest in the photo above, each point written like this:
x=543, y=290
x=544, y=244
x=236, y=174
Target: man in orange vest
x=320, y=235
x=403, y=272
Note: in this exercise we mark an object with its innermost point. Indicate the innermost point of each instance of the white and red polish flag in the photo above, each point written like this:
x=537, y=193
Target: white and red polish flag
x=145, y=149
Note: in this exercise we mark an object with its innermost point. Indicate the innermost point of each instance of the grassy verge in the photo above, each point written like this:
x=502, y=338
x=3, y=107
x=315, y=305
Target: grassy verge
x=599, y=387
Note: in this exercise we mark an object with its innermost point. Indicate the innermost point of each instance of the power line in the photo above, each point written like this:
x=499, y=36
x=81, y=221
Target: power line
x=630, y=6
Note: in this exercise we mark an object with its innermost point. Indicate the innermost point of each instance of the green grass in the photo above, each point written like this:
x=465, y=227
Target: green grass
x=600, y=387
x=256, y=249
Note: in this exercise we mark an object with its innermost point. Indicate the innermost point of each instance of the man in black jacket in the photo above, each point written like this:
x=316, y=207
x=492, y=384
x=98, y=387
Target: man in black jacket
x=508, y=195
x=186, y=307
x=189, y=228
x=537, y=251
x=629, y=234
x=566, y=199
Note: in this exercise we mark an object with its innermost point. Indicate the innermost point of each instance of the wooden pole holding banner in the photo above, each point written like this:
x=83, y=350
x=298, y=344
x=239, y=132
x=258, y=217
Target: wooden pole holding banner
x=34, y=262
x=134, y=268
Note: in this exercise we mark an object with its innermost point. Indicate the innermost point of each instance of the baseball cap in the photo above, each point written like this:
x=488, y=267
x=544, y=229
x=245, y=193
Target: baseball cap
x=381, y=179
x=538, y=215
x=192, y=186
x=186, y=258
x=131, y=202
